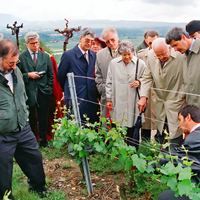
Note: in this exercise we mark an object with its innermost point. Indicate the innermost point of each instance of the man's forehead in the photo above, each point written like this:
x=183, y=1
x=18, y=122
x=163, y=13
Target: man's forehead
x=88, y=37
x=10, y=56
x=174, y=43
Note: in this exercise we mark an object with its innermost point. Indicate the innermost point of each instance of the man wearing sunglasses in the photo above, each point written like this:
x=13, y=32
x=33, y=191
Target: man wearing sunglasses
x=16, y=138
x=104, y=57
x=81, y=61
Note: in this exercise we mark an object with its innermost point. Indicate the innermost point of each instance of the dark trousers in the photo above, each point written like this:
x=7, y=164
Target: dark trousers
x=169, y=195
x=42, y=112
x=23, y=147
x=130, y=140
x=176, y=142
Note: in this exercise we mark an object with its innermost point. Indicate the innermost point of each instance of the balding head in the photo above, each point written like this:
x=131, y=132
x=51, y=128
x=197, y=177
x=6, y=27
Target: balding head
x=161, y=49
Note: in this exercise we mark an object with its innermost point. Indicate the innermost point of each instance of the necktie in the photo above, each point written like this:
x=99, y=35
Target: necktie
x=114, y=53
x=34, y=58
x=85, y=54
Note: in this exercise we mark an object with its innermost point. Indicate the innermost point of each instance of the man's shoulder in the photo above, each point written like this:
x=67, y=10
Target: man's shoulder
x=103, y=52
x=143, y=52
x=23, y=53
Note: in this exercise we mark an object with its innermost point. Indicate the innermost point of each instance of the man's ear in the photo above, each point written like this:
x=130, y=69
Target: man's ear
x=80, y=38
x=188, y=117
x=183, y=37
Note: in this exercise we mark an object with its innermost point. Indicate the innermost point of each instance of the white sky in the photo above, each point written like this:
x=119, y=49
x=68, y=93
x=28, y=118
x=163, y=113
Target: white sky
x=146, y=10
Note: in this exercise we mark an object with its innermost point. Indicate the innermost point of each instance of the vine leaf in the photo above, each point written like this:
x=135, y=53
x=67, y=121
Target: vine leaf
x=172, y=182
x=184, y=187
x=185, y=173
x=98, y=147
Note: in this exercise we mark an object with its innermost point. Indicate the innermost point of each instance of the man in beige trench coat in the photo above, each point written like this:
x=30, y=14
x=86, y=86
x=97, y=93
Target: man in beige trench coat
x=165, y=68
x=149, y=127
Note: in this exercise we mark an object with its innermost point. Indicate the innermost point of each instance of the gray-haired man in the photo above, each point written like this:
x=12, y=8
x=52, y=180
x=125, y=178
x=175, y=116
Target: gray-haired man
x=38, y=78
x=104, y=57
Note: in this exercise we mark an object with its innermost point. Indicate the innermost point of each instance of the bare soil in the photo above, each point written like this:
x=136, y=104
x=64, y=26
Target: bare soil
x=65, y=175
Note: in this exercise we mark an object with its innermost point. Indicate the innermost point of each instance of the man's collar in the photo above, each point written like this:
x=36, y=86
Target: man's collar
x=191, y=47
x=195, y=127
x=31, y=52
x=82, y=50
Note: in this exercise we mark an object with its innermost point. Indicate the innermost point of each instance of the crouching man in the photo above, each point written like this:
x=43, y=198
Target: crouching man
x=189, y=123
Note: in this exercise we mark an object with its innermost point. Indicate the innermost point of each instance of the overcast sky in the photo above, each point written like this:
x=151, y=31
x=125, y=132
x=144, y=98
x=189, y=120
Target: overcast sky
x=147, y=10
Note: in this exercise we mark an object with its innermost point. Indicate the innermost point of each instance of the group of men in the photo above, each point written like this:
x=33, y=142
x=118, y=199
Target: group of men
x=172, y=71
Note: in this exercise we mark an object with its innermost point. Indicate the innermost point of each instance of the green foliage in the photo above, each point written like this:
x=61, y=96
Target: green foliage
x=146, y=162
x=51, y=154
x=101, y=164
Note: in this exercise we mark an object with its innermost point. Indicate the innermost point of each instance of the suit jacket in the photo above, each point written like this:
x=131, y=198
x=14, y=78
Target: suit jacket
x=74, y=61
x=104, y=57
x=45, y=83
x=192, y=74
x=170, y=77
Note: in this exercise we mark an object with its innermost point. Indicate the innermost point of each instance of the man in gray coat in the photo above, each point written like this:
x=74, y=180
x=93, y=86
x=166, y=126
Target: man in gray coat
x=190, y=47
x=103, y=59
x=165, y=70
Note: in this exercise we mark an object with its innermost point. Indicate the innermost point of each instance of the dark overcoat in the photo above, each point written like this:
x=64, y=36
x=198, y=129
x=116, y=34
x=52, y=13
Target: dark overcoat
x=74, y=61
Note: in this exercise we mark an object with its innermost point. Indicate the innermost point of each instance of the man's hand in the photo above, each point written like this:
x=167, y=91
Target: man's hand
x=142, y=103
x=109, y=105
x=33, y=75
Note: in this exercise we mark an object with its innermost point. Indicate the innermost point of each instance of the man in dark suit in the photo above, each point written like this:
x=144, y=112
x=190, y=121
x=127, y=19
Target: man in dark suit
x=38, y=78
x=81, y=61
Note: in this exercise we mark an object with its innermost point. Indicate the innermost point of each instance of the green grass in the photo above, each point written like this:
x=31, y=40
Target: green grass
x=51, y=154
x=101, y=164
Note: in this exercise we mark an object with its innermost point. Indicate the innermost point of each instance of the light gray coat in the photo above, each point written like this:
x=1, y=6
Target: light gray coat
x=118, y=90
x=103, y=59
x=170, y=77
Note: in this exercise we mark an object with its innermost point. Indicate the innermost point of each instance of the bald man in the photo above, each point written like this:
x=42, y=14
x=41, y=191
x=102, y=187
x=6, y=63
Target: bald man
x=165, y=70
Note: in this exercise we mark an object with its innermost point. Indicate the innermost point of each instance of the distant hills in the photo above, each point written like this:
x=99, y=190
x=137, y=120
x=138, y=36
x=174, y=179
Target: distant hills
x=51, y=25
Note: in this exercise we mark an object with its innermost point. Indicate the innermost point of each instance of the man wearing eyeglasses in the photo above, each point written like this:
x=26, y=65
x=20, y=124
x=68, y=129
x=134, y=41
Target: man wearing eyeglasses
x=165, y=70
x=81, y=61
x=16, y=138
x=37, y=73
x=104, y=57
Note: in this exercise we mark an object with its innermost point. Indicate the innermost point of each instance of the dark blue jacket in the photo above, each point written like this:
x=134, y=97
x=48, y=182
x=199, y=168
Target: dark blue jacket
x=74, y=61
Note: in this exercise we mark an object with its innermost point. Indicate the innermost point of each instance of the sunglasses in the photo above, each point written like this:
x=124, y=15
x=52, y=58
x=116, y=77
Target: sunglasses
x=87, y=41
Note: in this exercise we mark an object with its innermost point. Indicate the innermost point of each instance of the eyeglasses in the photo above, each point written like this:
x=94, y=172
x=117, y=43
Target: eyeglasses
x=87, y=41
x=111, y=40
x=12, y=63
